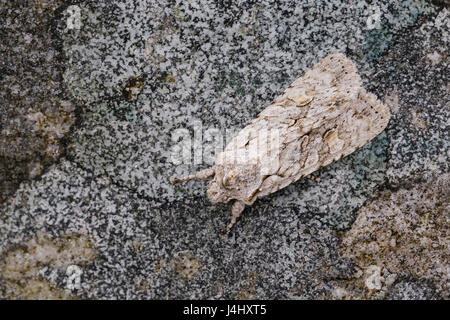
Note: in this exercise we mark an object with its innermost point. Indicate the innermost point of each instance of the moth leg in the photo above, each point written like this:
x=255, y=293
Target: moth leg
x=236, y=210
x=202, y=174
x=313, y=178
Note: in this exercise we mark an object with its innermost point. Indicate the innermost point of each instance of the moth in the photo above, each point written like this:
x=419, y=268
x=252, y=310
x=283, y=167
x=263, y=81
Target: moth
x=321, y=117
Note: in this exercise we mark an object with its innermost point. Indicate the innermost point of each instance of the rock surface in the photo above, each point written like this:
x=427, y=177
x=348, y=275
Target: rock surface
x=404, y=233
x=107, y=85
x=35, y=112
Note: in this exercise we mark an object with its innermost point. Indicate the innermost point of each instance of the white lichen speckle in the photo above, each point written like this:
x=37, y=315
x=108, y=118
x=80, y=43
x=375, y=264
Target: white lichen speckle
x=373, y=278
x=27, y=264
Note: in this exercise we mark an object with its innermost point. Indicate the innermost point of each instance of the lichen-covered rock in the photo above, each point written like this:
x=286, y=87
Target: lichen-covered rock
x=403, y=232
x=411, y=289
x=35, y=112
x=30, y=271
x=147, y=251
x=207, y=62
x=417, y=90
x=141, y=70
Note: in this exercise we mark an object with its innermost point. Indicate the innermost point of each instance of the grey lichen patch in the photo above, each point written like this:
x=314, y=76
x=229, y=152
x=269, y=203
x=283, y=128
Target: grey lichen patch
x=51, y=127
x=248, y=291
x=23, y=268
x=435, y=57
x=417, y=120
x=405, y=232
x=45, y=4
x=142, y=285
x=186, y=265
x=38, y=289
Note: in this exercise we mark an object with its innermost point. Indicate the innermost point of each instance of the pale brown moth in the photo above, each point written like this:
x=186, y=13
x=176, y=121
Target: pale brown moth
x=321, y=117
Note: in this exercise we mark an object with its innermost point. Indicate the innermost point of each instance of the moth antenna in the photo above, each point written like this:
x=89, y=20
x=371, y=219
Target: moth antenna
x=236, y=210
x=202, y=174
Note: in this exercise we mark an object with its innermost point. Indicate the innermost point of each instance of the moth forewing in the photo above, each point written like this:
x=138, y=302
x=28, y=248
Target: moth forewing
x=321, y=117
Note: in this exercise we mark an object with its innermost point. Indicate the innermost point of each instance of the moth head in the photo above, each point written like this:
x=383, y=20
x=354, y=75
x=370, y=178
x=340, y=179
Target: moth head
x=234, y=182
x=216, y=193
x=231, y=179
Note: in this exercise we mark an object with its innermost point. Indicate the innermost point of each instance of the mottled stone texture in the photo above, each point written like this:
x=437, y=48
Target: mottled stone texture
x=22, y=272
x=35, y=113
x=405, y=233
x=139, y=70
